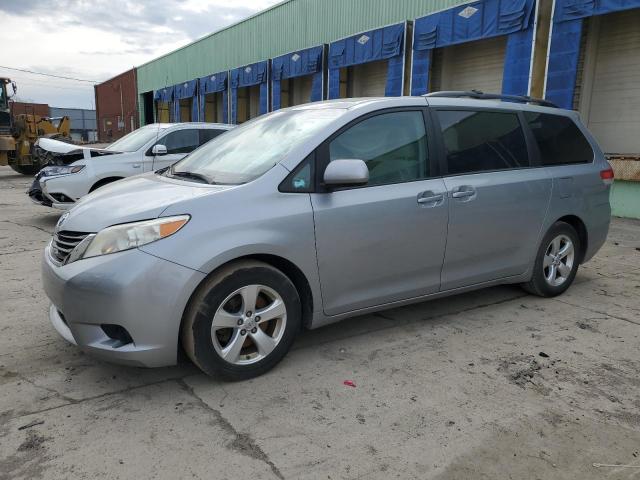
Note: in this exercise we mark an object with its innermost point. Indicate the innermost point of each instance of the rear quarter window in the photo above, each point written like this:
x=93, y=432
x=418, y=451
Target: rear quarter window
x=559, y=139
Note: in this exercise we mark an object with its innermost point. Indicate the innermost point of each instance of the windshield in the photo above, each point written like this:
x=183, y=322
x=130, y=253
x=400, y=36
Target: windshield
x=248, y=151
x=136, y=139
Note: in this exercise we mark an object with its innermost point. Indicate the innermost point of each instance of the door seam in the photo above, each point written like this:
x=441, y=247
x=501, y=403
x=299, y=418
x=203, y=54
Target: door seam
x=315, y=246
x=446, y=236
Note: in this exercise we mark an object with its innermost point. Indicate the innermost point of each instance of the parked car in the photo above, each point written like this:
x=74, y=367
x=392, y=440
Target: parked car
x=316, y=213
x=76, y=171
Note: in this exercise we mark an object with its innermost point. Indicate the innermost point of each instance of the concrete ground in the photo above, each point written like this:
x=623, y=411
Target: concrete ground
x=488, y=385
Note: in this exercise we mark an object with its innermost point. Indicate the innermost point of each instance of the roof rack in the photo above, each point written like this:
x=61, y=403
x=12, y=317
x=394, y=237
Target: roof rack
x=477, y=94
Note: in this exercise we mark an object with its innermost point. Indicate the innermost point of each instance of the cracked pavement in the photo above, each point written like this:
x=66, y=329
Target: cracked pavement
x=453, y=388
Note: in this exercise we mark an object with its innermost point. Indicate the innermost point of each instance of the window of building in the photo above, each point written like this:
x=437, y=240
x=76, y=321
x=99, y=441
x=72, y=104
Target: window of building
x=393, y=145
x=559, y=139
x=477, y=141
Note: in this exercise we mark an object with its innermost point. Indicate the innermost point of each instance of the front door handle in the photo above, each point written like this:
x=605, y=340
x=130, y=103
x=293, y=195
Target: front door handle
x=430, y=198
x=136, y=165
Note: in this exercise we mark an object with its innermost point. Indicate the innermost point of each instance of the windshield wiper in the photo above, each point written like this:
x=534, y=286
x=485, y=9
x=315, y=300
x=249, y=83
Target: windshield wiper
x=192, y=175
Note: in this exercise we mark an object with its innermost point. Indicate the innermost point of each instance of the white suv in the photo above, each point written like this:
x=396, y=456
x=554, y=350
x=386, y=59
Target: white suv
x=78, y=171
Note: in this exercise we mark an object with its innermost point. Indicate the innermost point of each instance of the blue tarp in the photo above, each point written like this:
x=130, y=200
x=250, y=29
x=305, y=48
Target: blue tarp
x=476, y=21
x=297, y=64
x=164, y=95
x=564, y=50
x=247, y=76
x=214, y=83
x=563, y=62
x=183, y=91
x=380, y=44
x=566, y=10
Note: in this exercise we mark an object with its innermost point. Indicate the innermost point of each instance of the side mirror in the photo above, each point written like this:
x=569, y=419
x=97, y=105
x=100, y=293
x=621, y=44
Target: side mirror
x=159, y=150
x=347, y=172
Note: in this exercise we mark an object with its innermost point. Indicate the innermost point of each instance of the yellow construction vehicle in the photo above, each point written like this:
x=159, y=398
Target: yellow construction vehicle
x=19, y=134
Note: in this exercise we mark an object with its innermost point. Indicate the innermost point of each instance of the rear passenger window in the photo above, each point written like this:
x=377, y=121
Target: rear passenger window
x=393, y=145
x=209, y=134
x=559, y=139
x=482, y=141
x=181, y=141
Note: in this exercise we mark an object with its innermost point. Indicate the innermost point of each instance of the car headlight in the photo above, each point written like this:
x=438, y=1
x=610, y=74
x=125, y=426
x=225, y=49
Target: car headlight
x=131, y=235
x=53, y=170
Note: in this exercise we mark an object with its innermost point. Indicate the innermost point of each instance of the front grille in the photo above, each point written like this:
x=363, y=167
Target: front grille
x=64, y=242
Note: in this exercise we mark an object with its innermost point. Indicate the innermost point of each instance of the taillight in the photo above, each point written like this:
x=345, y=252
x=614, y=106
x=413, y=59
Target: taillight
x=607, y=175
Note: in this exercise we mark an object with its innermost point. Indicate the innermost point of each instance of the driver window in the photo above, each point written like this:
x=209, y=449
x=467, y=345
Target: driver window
x=393, y=145
x=181, y=141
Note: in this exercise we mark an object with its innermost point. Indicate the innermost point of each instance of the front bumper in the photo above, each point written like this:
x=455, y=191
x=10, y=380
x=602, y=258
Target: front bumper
x=39, y=194
x=142, y=293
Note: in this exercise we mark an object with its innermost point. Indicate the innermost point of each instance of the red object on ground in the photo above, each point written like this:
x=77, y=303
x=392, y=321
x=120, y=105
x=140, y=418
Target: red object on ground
x=350, y=383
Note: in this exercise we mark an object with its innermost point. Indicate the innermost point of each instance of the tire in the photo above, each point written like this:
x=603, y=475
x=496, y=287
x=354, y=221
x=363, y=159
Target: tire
x=26, y=169
x=222, y=349
x=544, y=282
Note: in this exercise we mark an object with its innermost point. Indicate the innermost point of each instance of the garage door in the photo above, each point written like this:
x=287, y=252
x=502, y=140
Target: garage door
x=163, y=112
x=611, y=92
x=474, y=65
x=213, y=108
x=254, y=101
x=185, y=110
x=301, y=89
x=369, y=79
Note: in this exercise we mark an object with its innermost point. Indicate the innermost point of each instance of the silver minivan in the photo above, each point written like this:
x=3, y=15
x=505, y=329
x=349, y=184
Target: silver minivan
x=315, y=213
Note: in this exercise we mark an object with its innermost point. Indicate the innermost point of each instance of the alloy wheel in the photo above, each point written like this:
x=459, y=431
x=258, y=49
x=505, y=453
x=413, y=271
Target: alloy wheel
x=557, y=263
x=248, y=324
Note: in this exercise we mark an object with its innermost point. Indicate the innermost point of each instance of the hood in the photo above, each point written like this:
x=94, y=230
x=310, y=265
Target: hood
x=54, y=152
x=136, y=198
x=56, y=146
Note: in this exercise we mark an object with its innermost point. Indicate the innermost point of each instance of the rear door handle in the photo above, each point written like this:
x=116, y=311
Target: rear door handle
x=464, y=192
x=136, y=165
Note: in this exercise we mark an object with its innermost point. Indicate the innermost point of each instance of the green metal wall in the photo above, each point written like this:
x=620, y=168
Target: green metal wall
x=625, y=199
x=288, y=26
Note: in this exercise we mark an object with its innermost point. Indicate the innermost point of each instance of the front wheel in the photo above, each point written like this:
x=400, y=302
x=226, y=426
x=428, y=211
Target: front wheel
x=241, y=321
x=557, y=261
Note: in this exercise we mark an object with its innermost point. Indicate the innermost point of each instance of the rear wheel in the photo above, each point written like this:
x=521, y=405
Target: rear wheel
x=242, y=321
x=557, y=261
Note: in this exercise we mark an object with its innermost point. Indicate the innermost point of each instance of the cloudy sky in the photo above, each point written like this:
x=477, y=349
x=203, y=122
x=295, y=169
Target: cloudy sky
x=97, y=39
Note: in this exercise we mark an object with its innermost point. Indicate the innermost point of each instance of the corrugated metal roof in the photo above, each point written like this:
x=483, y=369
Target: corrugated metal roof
x=287, y=26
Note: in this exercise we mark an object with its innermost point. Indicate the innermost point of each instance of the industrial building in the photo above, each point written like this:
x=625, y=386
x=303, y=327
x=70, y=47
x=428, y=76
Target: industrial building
x=83, y=122
x=27, y=108
x=579, y=54
x=117, y=106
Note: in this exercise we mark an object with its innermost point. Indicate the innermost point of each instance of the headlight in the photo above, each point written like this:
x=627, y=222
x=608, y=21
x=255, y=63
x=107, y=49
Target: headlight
x=131, y=235
x=61, y=170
